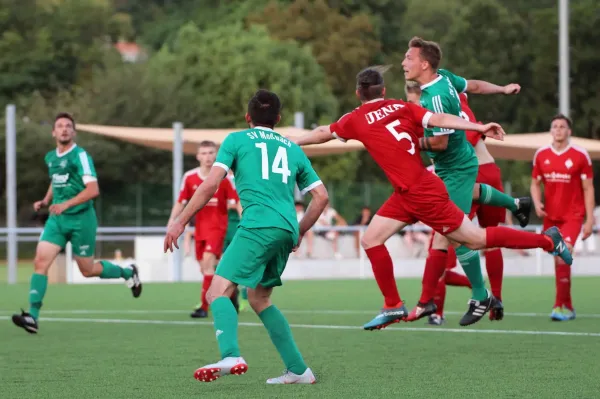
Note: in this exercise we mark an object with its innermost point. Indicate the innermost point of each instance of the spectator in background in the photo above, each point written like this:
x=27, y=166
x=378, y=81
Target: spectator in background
x=361, y=220
x=330, y=218
x=309, y=236
x=419, y=236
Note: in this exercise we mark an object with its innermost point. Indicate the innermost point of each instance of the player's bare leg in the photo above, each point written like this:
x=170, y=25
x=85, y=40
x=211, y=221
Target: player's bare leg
x=226, y=330
x=296, y=371
x=476, y=238
x=373, y=241
x=45, y=254
x=108, y=270
x=208, y=264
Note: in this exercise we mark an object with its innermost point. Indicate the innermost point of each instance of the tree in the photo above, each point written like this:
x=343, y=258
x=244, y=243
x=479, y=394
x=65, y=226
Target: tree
x=342, y=45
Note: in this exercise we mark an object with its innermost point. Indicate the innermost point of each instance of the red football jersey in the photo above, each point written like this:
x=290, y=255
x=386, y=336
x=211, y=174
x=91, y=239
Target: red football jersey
x=213, y=217
x=466, y=113
x=562, y=174
x=389, y=131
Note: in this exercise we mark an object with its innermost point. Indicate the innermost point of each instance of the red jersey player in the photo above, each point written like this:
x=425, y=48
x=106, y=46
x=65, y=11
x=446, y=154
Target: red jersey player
x=565, y=170
x=210, y=222
x=389, y=131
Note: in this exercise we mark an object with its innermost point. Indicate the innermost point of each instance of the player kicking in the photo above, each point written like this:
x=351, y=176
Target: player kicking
x=487, y=216
x=566, y=172
x=456, y=164
x=72, y=189
x=388, y=129
x=267, y=168
x=211, y=223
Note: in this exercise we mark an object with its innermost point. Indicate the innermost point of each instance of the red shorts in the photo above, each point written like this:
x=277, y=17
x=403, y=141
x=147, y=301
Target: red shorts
x=489, y=216
x=212, y=244
x=570, y=229
x=426, y=201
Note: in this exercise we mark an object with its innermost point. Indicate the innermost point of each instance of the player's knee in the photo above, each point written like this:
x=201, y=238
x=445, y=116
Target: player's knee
x=368, y=241
x=87, y=272
x=258, y=303
x=41, y=264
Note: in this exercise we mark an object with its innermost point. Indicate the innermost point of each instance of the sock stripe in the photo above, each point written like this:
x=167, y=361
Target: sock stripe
x=467, y=255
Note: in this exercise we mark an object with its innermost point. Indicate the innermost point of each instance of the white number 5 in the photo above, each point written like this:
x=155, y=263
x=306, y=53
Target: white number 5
x=280, y=163
x=401, y=136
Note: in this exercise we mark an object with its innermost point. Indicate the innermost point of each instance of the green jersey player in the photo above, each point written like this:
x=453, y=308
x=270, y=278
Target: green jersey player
x=72, y=189
x=267, y=168
x=456, y=164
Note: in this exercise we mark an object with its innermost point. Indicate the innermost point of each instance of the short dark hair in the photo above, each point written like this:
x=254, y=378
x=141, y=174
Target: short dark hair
x=264, y=108
x=429, y=51
x=64, y=115
x=370, y=83
x=564, y=118
x=207, y=143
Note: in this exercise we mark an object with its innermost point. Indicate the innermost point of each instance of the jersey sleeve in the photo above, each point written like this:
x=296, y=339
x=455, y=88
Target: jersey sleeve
x=85, y=168
x=307, y=179
x=587, y=172
x=185, y=192
x=342, y=129
x=459, y=83
x=226, y=154
x=420, y=115
x=536, y=172
x=441, y=105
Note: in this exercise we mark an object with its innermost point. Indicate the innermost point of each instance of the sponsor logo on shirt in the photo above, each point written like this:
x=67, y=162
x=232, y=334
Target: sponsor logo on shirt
x=63, y=163
x=58, y=179
x=558, y=177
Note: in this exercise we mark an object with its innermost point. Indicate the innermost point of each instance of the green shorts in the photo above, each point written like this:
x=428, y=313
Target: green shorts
x=229, y=236
x=460, y=183
x=79, y=229
x=256, y=256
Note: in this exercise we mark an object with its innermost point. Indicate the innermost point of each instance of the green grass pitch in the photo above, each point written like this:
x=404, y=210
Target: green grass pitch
x=96, y=341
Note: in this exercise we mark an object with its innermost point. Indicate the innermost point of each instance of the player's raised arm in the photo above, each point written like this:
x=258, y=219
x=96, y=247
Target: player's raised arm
x=483, y=87
x=320, y=135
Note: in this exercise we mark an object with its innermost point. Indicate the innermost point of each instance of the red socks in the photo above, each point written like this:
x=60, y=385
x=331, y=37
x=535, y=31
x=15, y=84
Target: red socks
x=494, y=263
x=563, y=284
x=434, y=269
x=205, y=284
x=456, y=279
x=383, y=269
x=440, y=297
x=506, y=237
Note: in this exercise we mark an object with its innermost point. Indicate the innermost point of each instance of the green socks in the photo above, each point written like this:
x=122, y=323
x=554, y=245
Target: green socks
x=37, y=290
x=110, y=270
x=244, y=293
x=490, y=196
x=469, y=260
x=281, y=336
x=226, y=326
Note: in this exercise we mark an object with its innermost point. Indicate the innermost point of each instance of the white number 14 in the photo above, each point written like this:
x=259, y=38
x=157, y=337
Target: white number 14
x=280, y=163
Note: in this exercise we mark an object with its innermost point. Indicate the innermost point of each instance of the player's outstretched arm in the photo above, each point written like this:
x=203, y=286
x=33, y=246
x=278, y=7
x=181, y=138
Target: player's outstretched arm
x=201, y=196
x=448, y=121
x=483, y=87
x=320, y=135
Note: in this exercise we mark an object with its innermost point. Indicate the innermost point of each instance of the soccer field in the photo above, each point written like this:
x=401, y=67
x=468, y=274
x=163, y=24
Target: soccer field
x=96, y=341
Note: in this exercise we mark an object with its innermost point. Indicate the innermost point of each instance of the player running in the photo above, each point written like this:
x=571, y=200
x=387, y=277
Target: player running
x=487, y=215
x=210, y=224
x=73, y=187
x=456, y=164
x=566, y=172
x=389, y=131
x=267, y=168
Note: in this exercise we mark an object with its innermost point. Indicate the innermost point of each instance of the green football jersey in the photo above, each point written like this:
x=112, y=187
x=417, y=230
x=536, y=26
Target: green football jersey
x=69, y=173
x=267, y=168
x=441, y=96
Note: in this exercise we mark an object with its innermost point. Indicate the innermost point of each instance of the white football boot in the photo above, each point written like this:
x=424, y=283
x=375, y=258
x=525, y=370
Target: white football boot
x=229, y=365
x=290, y=378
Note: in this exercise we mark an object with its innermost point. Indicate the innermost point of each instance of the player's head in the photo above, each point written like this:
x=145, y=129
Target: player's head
x=207, y=153
x=413, y=91
x=370, y=84
x=64, y=128
x=422, y=56
x=264, y=109
x=560, y=127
